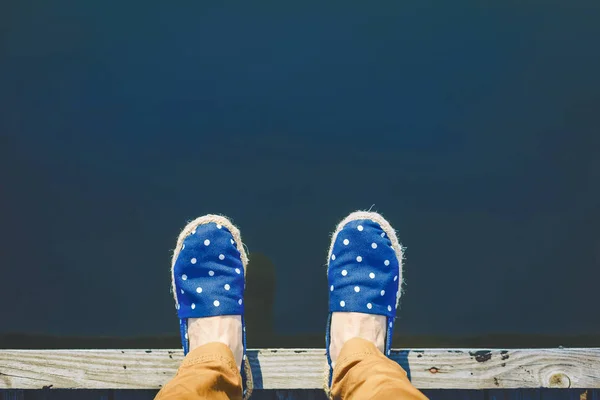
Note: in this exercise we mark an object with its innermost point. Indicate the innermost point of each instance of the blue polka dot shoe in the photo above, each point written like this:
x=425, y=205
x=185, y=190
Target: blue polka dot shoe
x=364, y=273
x=208, y=278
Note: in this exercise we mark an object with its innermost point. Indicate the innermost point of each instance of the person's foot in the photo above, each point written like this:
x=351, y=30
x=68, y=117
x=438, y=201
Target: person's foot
x=349, y=325
x=365, y=276
x=226, y=329
x=209, y=265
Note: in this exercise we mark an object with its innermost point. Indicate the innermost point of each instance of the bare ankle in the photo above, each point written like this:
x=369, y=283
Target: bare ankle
x=348, y=325
x=226, y=329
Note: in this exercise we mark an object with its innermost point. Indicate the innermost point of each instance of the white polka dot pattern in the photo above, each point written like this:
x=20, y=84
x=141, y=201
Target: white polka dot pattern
x=363, y=269
x=209, y=274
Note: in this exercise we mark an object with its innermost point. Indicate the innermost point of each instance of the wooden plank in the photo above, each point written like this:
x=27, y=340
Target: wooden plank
x=303, y=368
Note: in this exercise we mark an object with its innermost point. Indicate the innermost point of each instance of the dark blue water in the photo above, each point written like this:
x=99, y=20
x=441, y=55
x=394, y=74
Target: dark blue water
x=473, y=128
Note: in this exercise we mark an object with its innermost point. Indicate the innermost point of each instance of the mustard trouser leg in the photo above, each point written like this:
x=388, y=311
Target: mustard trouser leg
x=207, y=372
x=363, y=372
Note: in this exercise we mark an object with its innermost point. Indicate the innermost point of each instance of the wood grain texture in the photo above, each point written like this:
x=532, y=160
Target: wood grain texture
x=303, y=368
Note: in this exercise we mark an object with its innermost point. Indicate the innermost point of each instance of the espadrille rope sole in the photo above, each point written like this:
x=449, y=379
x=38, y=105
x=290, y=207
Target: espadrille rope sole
x=364, y=273
x=208, y=273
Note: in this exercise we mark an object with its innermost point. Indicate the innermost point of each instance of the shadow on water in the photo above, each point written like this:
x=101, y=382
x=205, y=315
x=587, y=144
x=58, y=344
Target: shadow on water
x=260, y=332
x=260, y=296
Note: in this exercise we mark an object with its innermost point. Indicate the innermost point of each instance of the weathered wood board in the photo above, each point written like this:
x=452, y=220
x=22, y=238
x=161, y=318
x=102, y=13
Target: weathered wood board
x=303, y=368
